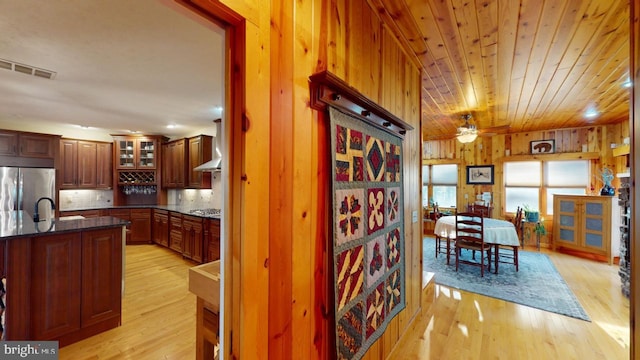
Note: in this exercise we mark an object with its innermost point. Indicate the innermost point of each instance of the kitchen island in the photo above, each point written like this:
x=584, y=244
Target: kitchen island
x=64, y=278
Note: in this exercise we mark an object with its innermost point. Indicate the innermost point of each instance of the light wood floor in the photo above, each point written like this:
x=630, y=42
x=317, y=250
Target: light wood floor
x=158, y=320
x=158, y=311
x=463, y=325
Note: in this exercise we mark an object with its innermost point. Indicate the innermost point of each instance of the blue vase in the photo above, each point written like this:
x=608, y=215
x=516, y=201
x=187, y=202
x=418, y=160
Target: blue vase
x=607, y=190
x=532, y=216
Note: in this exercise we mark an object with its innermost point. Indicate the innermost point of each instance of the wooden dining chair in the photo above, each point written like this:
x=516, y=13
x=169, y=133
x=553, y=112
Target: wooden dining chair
x=470, y=236
x=508, y=254
x=517, y=222
x=445, y=243
x=483, y=210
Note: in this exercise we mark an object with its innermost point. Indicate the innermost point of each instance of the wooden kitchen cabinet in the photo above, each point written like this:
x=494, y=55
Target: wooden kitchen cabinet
x=8, y=143
x=60, y=256
x=587, y=225
x=68, y=164
x=36, y=145
x=18, y=143
x=140, y=226
x=27, y=149
x=212, y=240
x=82, y=165
x=137, y=175
x=136, y=153
x=3, y=245
x=104, y=165
x=101, y=286
x=78, y=160
x=179, y=159
x=192, y=237
x=175, y=232
x=73, y=285
x=161, y=227
x=199, y=153
x=174, y=164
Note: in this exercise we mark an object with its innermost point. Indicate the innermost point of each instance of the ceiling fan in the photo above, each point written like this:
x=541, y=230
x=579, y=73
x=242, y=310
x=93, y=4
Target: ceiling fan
x=468, y=132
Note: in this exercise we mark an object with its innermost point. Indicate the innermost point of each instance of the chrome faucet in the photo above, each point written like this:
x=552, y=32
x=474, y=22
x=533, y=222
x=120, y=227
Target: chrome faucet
x=36, y=216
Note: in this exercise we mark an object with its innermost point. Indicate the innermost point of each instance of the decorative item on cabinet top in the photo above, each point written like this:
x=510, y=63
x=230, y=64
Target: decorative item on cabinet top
x=606, y=175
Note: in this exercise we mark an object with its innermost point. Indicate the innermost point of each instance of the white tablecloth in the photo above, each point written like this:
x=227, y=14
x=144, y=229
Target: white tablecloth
x=496, y=231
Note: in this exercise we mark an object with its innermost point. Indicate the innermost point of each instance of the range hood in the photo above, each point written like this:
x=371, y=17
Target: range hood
x=215, y=163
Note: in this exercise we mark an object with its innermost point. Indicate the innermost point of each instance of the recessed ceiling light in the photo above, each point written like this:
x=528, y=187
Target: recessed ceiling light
x=171, y=126
x=627, y=84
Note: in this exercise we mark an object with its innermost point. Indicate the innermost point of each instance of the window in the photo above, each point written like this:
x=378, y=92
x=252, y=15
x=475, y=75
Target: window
x=535, y=182
x=565, y=177
x=439, y=184
x=522, y=182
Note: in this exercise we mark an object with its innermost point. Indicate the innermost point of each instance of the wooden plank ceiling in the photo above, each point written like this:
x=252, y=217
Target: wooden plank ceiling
x=515, y=65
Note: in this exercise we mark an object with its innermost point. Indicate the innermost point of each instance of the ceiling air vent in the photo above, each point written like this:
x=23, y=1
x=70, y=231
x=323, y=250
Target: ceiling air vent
x=26, y=69
x=5, y=64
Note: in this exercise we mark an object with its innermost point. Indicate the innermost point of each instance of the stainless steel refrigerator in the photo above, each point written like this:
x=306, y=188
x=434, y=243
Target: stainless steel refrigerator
x=20, y=188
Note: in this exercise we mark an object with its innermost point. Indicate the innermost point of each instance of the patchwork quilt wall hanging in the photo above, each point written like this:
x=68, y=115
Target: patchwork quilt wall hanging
x=368, y=232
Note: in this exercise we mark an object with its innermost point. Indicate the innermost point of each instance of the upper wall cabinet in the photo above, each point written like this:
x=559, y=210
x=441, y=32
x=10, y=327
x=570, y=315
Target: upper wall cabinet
x=200, y=151
x=27, y=149
x=179, y=159
x=136, y=153
x=104, y=165
x=85, y=165
x=174, y=160
x=137, y=168
x=15, y=143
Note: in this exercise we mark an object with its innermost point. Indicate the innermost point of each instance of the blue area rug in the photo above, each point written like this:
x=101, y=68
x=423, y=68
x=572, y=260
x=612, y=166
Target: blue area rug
x=538, y=283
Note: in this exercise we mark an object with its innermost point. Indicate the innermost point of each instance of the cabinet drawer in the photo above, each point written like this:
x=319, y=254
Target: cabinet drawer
x=175, y=232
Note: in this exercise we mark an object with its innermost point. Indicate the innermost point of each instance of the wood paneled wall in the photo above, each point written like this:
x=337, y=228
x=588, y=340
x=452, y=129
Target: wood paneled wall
x=492, y=150
x=281, y=242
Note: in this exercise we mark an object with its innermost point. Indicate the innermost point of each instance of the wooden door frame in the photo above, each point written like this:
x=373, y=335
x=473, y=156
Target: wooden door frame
x=634, y=125
x=233, y=145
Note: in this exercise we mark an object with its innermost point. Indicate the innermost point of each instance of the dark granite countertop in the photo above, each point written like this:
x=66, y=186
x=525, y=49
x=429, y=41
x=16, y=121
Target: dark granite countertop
x=15, y=224
x=183, y=209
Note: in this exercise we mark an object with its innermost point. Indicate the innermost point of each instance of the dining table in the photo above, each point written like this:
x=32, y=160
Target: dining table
x=496, y=233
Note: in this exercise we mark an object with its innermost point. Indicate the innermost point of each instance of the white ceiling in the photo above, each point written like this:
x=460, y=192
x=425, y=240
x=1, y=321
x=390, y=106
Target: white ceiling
x=121, y=65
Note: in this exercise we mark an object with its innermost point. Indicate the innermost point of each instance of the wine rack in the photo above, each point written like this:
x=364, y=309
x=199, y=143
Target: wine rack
x=136, y=177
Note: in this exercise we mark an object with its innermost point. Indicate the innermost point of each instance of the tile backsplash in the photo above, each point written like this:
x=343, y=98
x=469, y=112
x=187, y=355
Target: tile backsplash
x=84, y=199
x=198, y=199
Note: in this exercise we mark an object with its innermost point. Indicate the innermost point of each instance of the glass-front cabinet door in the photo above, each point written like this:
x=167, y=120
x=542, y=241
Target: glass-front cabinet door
x=147, y=151
x=125, y=153
x=583, y=222
x=594, y=224
x=567, y=223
